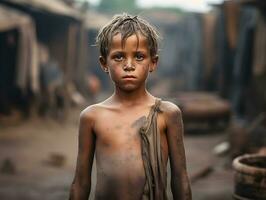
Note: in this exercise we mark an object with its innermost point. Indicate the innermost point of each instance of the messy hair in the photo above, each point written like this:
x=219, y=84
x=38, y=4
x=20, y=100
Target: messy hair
x=126, y=25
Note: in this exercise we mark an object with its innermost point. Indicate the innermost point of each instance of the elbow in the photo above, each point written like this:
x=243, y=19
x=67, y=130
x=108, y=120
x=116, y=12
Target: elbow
x=79, y=191
x=181, y=189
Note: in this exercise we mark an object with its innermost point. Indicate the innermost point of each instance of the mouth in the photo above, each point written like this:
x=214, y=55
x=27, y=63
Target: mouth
x=129, y=77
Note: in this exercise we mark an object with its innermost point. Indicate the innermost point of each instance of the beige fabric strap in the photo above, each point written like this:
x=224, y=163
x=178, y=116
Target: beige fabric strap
x=155, y=186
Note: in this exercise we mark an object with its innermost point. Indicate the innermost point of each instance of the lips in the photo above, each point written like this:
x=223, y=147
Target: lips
x=129, y=77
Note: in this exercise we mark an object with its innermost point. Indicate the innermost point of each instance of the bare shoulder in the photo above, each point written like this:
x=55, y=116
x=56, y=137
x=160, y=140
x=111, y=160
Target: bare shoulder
x=90, y=113
x=169, y=109
x=173, y=119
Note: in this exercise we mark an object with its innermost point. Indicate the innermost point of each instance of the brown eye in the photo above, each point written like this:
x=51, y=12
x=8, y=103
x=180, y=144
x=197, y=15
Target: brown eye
x=118, y=57
x=139, y=56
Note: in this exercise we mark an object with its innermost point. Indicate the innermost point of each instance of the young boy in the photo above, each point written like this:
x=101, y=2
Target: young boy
x=132, y=133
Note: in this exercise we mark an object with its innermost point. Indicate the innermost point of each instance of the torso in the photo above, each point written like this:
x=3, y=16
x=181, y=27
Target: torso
x=120, y=170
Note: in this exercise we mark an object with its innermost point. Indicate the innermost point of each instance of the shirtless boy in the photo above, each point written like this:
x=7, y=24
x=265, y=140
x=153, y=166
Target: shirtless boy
x=132, y=133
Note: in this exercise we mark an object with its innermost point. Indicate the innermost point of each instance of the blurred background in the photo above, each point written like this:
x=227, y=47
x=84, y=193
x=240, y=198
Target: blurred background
x=212, y=65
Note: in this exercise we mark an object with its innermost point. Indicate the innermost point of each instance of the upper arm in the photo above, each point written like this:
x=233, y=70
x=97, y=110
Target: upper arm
x=174, y=131
x=174, y=127
x=86, y=147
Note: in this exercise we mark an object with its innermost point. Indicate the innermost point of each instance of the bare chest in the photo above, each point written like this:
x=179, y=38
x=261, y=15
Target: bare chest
x=118, y=148
x=117, y=131
x=118, y=151
x=120, y=132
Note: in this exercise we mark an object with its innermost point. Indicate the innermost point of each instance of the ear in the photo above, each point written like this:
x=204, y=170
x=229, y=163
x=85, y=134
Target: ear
x=154, y=62
x=103, y=64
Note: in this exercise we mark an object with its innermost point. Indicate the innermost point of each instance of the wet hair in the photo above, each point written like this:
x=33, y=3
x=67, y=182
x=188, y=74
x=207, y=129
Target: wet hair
x=127, y=25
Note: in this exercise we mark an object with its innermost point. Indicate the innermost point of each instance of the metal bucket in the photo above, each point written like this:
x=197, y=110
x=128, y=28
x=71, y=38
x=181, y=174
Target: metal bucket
x=250, y=177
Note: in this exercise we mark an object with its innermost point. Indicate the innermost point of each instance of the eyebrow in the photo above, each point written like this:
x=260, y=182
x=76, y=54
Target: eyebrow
x=136, y=51
x=116, y=52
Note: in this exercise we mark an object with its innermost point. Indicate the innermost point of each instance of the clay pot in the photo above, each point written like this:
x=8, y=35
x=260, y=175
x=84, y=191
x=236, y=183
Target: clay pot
x=250, y=177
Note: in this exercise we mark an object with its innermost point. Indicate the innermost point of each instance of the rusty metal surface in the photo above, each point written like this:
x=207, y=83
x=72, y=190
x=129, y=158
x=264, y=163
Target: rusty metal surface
x=250, y=176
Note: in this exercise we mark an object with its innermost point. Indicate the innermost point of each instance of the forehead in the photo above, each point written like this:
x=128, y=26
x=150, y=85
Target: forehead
x=133, y=41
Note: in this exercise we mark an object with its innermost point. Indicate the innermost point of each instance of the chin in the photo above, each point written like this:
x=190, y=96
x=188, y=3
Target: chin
x=128, y=88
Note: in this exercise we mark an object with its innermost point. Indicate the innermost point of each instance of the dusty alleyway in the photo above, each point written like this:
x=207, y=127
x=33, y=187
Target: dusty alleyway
x=43, y=152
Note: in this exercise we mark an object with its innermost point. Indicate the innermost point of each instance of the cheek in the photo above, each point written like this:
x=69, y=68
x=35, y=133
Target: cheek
x=144, y=68
x=114, y=72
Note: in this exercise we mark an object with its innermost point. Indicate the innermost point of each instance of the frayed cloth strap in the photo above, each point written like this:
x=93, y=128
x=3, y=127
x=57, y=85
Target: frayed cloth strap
x=155, y=171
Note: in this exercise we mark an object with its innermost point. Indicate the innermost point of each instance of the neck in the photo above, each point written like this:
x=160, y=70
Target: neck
x=131, y=97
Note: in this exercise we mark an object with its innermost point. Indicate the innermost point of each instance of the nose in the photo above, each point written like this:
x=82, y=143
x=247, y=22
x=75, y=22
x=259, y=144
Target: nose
x=129, y=65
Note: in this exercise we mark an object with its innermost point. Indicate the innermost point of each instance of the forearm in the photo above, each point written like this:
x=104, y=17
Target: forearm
x=79, y=192
x=181, y=188
x=80, y=188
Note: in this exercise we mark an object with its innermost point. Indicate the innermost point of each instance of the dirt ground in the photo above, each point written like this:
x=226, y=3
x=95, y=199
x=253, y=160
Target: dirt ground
x=38, y=158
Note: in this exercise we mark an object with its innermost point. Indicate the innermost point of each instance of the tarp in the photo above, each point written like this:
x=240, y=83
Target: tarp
x=10, y=19
x=63, y=37
x=27, y=60
x=51, y=6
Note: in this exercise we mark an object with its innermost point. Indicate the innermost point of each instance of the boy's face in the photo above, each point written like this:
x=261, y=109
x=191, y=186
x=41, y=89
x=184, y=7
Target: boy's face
x=129, y=66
